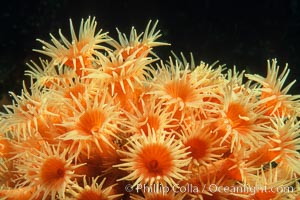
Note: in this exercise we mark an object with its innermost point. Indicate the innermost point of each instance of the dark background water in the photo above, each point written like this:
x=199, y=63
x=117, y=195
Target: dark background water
x=241, y=33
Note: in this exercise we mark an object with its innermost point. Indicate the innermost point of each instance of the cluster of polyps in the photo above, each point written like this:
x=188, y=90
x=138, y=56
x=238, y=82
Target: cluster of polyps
x=102, y=114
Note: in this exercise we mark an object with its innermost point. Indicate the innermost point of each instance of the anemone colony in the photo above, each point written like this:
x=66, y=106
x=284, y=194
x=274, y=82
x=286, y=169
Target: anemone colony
x=100, y=114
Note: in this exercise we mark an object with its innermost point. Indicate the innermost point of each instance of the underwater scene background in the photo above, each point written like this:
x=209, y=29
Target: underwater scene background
x=180, y=101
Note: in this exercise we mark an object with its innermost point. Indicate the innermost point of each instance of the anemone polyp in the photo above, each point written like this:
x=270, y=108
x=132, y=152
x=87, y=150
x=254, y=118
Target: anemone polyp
x=155, y=157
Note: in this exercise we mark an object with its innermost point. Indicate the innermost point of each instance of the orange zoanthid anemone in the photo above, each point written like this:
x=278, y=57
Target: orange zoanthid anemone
x=209, y=181
x=24, y=193
x=22, y=115
x=241, y=120
x=203, y=144
x=279, y=102
x=117, y=72
x=149, y=113
x=176, y=85
x=282, y=146
x=46, y=74
x=93, y=191
x=101, y=117
x=285, y=143
x=49, y=169
x=270, y=184
x=96, y=121
x=77, y=53
x=154, y=157
x=137, y=44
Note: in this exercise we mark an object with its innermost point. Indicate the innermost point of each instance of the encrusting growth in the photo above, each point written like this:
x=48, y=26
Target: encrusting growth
x=108, y=119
